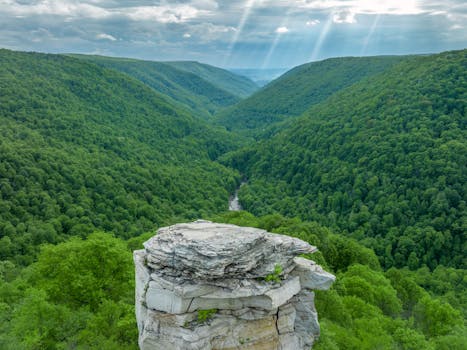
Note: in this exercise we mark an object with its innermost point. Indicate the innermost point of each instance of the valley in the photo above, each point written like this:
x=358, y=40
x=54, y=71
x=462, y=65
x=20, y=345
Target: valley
x=363, y=157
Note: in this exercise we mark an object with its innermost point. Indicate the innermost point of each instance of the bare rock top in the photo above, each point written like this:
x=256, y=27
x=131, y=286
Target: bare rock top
x=208, y=251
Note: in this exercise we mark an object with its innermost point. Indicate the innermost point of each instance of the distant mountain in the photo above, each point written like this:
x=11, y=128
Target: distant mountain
x=199, y=88
x=294, y=92
x=260, y=76
x=236, y=84
x=384, y=160
x=84, y=147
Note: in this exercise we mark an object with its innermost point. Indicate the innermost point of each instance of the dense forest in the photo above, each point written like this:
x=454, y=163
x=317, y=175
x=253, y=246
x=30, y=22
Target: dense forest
x=236, y=84
x=201, y=89
x=294, y=92
x=384, y=160
x=85, y=148
x=97, y=153
x=62, y=301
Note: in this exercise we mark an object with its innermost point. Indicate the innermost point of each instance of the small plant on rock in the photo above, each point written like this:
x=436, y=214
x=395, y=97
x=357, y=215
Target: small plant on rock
x=274, y=276
x=206, y=315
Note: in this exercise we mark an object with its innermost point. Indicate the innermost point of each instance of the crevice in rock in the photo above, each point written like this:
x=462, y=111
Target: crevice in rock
x=277, y=322
x=188, y=309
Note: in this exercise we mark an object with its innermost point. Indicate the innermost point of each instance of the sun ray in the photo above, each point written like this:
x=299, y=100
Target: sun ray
x=248, y=7
x=321, y=38
x=370, y=34
x=277, y=38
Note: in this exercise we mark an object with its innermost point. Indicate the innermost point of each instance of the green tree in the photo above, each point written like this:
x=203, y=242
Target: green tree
x=86, y=272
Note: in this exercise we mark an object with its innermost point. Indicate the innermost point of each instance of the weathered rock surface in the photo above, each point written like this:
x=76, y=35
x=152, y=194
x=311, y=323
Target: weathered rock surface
x=202, y=285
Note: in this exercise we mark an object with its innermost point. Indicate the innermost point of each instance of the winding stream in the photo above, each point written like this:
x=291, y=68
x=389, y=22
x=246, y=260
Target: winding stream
x=234, y=204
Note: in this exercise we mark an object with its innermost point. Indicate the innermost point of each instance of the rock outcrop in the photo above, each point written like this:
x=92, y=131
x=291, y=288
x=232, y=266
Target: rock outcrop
x=207, y=286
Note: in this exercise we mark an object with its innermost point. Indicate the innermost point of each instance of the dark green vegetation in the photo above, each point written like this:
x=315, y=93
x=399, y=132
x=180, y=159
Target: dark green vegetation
x=384, y=160
x=78, y=295
x=85, y=148
x=368, y=308
x=236, y=84
x=294, y=92
x=376, y=164
x=196, y=87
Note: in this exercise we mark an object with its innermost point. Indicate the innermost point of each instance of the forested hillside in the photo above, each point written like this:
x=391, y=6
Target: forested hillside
x=236, y=84
x=96, y=154
x=384, y=160
x=200, y=89
x=369, y=308
x=295, y=91
x=85, y=148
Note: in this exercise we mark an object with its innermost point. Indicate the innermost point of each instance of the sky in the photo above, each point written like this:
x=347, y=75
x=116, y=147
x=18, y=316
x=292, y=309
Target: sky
x=234, y=34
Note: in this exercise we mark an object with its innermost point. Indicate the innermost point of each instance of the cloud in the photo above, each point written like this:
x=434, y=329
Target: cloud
x=165, y=12
x=361, y=6
x=282, y=30
x=104, y=36
x=234, y=33
x=344, y=17
x=53, y=7
x=313, y=22
x=173, y=13
x=209, y=32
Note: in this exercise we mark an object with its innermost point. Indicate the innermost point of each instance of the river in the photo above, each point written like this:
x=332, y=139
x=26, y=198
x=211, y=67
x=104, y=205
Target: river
x=234, y=203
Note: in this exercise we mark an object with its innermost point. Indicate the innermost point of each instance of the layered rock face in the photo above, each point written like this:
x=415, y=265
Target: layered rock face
x=210, y=286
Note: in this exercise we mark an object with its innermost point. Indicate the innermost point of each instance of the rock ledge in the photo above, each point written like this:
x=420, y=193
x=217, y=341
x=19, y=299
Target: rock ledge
x=202, y=285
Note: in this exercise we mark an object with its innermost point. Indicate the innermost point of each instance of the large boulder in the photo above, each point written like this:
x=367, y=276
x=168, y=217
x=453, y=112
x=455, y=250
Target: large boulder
x=204, y=285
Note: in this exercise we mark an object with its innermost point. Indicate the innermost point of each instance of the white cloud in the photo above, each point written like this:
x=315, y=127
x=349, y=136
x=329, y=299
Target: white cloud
x=166, y=12
x=239, y=30
x=360, y=6
x=313, y=22
x=175, y=13
x=104, y=36
x=344, y=17
x=282, y=30
x=208, y=32
x=53, y=7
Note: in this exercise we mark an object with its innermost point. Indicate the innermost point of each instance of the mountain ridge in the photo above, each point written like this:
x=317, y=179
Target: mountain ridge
x=201, y=91
x=296, y=90
x=383, y=159
x=86, y=147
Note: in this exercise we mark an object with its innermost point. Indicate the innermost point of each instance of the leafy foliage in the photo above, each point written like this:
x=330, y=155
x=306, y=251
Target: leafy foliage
x=274, y=276
x=206, y=315
x=79, y=294
x=236, y=84
x=368, y=308
x=200, y=89
x=380, y=162
x=294, y=92
x=384, y=160
x=85, y=148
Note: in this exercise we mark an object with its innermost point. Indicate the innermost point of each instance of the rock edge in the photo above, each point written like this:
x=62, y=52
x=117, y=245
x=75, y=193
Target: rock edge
x=202, y=285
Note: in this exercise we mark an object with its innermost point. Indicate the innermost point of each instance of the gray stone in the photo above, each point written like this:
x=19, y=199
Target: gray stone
x=230, y=300
x=165, y=296
x=142, y=278
x=203, y=286
x=286, y=319
x=289, y=341
x=311, y=275
x=207, y=251
x=306, y=324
